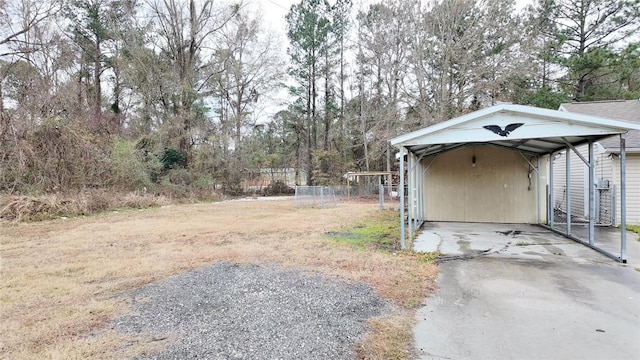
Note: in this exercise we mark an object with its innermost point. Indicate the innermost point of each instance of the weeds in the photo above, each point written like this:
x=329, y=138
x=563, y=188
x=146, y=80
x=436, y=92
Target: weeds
x=635, y=229
x=428, y=258
x=53, y=206
x=380, y=232
x=390, y=337
x=32, y=208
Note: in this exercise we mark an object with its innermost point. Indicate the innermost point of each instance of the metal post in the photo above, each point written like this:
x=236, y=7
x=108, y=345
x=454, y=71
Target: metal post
x=380, y=194
x=614, y=201
x=421, y=190
x=410, y=185
x=347, y=183
x=592, y=195
x=550, y=206
x=401, y=194
x=538, y=189
x=623, y=198
x=568, y=189
x=416, y=192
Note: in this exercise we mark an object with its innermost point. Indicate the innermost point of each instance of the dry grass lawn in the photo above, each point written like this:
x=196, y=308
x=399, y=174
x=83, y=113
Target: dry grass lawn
x=59, y=279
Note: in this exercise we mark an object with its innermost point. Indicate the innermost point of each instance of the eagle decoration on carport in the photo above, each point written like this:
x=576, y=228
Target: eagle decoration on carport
x=503, y=132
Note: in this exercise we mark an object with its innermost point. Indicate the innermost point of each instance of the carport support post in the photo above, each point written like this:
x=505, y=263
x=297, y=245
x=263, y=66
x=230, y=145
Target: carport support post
x=539, y=190
x=401, y=194
x=420, y=175
x=410, y=194
x=416, y=200
x=623, y=198
x=550, y=199
x=592, y=195
x=568, y=188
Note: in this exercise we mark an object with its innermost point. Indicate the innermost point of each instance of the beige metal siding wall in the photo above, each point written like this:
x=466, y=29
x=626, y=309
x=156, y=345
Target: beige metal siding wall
x=495, y=190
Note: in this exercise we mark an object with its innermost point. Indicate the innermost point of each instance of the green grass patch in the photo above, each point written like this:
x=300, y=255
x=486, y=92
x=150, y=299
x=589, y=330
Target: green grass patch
x=379, y=232
x=635, y=229
x=429, y=258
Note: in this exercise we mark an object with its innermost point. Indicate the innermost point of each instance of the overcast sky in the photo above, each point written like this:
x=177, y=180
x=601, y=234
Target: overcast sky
x=274, y=12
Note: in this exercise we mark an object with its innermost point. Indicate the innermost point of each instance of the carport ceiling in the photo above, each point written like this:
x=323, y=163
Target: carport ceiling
x=524, y=128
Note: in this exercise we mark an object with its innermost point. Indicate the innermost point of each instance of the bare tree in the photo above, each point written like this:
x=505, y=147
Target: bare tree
x=384, y=44
x=185, y=29
x=17, y=18
x=245, y=67
x=463, y=52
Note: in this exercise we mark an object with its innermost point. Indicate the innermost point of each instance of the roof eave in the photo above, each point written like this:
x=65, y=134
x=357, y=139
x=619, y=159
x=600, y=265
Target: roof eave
x=615, y=126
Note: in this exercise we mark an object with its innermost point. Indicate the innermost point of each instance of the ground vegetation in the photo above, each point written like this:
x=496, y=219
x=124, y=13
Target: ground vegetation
x=183, y=98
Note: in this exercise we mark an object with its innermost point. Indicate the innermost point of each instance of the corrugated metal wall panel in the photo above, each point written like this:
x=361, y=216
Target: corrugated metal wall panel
x=496, y=189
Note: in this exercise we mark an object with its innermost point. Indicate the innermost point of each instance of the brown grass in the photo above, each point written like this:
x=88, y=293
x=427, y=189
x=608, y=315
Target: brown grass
x=388, y=338
x=58, y=278
x=52, y=206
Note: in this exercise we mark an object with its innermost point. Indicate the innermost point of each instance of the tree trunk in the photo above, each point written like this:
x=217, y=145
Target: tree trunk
x=363, y=123
x=97, y=70
x=327, y=116
x=309, y=132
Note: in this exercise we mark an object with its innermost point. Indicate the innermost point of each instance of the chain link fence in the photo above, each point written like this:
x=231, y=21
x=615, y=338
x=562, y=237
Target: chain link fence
x=570, y=194
x=315, y=196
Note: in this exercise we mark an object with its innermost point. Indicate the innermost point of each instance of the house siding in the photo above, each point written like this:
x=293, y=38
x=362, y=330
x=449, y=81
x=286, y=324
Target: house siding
x=633, y=188
x=579, y=183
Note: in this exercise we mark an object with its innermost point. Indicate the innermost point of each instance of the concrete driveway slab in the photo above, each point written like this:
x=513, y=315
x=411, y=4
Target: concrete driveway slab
x=521, y=292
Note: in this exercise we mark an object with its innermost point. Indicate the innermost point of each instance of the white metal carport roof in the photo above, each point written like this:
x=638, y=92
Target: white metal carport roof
x=543, y=131
x=521, y=128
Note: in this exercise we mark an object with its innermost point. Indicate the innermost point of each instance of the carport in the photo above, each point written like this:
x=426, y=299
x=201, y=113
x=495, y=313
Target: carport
x=496, y=164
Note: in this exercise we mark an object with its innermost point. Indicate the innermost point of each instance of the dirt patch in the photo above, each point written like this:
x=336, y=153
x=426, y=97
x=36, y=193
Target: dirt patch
x=59, y=279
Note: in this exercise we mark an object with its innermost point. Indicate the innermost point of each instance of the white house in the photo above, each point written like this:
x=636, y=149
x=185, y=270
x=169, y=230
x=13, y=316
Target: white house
x=607, y=152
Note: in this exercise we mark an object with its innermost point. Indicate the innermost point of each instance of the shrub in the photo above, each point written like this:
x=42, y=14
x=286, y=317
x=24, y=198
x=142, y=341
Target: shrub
x=278, y=188
x=64, y=156
x=172, y=158
x=131, y=167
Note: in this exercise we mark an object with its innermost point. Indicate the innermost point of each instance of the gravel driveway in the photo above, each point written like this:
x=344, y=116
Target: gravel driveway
x=230, y=311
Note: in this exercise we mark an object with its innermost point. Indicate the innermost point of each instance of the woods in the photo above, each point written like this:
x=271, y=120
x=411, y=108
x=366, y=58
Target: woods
x=180, y=97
